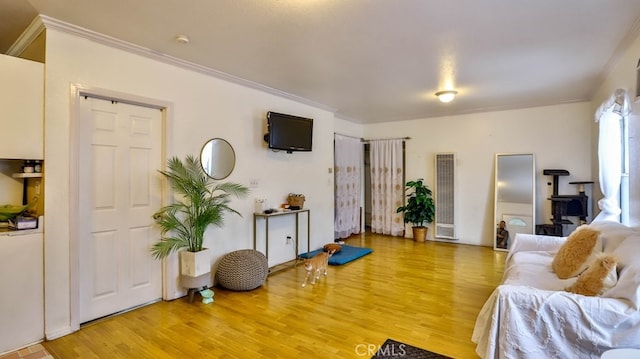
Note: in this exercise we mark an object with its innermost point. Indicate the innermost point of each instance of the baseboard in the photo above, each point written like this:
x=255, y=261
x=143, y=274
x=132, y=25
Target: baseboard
x=55, y=334
x=178, y=293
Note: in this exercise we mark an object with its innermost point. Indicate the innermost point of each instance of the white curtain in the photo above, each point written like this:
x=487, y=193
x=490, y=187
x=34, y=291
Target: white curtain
x=387, y=187
x=348, y=179
x=609, y=117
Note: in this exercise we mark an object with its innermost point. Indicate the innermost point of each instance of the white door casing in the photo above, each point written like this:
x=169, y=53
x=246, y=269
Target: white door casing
x=120, y=150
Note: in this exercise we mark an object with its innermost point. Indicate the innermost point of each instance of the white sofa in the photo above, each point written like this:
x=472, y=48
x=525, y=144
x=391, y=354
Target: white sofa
x=531, y=316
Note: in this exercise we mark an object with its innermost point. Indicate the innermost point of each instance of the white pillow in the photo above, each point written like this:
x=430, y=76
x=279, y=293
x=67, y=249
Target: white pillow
x=628, y=286
x=628, y=251
x=612, y=234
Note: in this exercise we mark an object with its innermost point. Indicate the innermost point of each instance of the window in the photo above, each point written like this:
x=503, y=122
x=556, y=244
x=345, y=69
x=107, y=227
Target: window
x=613, y=153
x=624, y=180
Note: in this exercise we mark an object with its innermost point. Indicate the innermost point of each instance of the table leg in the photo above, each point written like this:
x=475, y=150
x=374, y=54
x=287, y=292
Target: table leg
x=266, y=238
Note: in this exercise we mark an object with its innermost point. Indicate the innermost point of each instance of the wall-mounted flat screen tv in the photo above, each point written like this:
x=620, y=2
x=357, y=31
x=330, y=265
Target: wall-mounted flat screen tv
x=289, y=133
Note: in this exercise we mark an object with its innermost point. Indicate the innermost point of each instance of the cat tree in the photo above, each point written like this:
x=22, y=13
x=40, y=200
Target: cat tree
x=562, y=206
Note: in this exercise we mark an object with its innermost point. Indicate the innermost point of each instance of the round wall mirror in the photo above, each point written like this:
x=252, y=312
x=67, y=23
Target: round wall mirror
x=218, y=158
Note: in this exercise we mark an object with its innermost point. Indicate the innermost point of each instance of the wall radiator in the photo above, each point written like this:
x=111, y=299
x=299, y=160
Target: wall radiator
x=445, y=196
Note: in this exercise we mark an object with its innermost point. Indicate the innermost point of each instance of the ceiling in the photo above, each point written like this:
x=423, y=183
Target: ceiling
x=374, y=60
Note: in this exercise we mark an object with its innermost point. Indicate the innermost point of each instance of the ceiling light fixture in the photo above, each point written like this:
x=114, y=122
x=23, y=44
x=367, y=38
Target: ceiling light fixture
x=446, y=96
x=182, y=39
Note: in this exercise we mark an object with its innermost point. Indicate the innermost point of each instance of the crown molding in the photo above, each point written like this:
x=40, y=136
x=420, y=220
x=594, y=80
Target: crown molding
x=58, y=25
x=347, y=118
x=35, y=28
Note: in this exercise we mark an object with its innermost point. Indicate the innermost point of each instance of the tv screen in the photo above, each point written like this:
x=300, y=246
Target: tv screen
x=289, y=133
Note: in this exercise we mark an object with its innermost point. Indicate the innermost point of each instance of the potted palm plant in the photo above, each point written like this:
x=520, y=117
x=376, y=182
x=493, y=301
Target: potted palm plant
x=183, y=223
x=419, y=209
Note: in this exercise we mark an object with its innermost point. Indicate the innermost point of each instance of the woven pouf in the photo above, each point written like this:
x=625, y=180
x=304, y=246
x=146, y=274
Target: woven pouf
x=245, y=269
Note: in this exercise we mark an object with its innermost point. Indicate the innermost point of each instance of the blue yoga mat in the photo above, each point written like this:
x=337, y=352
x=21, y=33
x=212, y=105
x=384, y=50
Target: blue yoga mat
x=346, y=255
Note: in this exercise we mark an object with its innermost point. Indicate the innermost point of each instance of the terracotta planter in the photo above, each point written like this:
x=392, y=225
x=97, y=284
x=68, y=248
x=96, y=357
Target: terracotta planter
x=195, y=264
x=419, y=233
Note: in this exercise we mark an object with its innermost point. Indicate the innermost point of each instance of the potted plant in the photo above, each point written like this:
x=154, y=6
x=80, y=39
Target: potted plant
x=419, y=209
x=183, y=223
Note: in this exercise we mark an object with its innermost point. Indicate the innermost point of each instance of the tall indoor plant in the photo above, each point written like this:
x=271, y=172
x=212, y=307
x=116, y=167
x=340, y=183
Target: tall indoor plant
x=203, y=203
x=419, y=210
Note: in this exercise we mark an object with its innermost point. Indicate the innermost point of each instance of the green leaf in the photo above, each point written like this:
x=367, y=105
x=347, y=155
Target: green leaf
x=203, y=203
x=420, y=208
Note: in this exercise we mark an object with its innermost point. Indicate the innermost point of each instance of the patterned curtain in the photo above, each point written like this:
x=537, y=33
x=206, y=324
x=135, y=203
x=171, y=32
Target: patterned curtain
x=387, y=188
x=348, y=178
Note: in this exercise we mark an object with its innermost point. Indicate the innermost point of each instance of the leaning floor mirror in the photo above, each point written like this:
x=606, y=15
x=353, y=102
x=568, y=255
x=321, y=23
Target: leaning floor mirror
x=514, y=197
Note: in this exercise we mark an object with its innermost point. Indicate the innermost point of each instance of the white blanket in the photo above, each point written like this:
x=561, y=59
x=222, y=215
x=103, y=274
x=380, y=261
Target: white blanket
x=530, y=316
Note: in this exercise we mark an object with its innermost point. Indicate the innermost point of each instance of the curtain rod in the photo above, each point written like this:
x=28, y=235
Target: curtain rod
x=383, y=139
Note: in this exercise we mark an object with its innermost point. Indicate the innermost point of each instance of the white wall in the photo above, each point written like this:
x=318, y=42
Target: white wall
x=623, y=75
x=201, y=107
x=347, y=128
x=559, y=136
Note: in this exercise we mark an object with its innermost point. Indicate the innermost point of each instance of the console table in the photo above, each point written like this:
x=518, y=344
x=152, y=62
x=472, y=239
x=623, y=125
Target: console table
x=276, y=214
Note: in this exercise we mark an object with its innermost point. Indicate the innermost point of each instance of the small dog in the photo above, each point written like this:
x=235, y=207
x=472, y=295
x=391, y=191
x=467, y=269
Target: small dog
x=316, y=266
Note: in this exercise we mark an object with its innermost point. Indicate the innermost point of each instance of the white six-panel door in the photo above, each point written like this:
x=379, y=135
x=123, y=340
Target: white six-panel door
x=119, y=190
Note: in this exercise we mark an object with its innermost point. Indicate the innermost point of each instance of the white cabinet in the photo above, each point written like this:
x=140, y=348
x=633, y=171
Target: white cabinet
x=21, y=289
x=21, y=108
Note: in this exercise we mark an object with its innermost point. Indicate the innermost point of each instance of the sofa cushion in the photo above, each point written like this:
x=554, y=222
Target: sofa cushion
x=600, y=276
x=612, y=234
x=577, y=252
x=533, y=269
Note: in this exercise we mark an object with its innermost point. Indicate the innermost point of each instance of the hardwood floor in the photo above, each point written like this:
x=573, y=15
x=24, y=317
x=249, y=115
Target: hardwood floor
x=423, y=294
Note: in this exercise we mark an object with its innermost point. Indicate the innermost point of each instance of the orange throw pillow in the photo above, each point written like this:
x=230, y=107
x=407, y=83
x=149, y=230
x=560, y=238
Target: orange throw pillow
x=600, y=276
x=577, y=252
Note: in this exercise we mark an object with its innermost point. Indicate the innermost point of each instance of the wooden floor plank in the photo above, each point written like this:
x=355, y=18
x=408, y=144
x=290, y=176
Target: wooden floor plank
x=424, y=294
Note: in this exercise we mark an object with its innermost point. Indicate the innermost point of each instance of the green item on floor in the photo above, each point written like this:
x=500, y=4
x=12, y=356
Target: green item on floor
x=207, y=296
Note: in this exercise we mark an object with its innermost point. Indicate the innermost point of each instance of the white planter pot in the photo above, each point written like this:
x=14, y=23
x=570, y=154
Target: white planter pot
x=194, y=264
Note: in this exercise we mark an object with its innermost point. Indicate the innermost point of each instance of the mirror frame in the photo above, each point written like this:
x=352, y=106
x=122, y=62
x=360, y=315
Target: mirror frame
x=498, y=216
x=229, y=154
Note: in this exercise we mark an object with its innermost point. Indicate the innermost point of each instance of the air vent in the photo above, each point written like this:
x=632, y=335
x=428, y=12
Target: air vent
x=445, y=196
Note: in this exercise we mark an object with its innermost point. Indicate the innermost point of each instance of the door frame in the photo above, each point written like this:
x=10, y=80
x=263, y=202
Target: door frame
x=169, y=265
